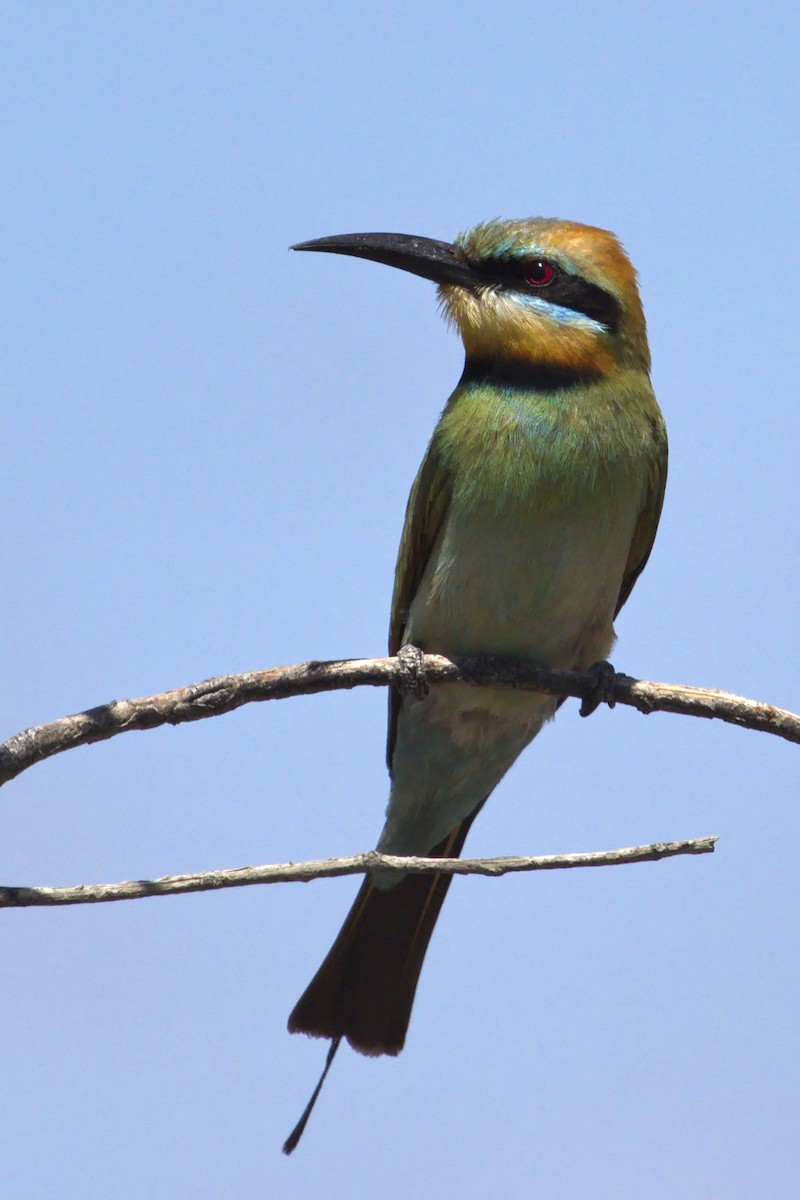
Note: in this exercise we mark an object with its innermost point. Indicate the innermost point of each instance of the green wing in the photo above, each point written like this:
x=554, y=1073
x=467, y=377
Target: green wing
x=425, y=513
x=645, y=532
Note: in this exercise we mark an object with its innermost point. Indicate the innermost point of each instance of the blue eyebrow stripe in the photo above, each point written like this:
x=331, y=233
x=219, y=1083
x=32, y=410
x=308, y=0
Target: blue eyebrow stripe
x=558, y=312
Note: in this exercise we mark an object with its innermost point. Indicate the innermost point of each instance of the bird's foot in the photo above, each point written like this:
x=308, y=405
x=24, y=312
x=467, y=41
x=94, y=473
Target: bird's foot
x=604, y=677
x=412, y=679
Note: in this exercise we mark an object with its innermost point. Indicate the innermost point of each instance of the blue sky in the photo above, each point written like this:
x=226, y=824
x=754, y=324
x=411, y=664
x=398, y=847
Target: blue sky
x=208, y=444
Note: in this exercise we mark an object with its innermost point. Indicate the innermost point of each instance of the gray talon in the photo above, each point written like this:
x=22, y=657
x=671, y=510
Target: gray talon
x=602, y=692
x=413, y=680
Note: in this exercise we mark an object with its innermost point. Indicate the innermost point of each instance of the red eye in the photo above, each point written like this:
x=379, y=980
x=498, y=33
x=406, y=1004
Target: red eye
x=539, y=273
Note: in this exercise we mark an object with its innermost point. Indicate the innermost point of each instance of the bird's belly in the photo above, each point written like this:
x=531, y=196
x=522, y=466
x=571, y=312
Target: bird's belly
x=523, y=583
x=519, y=583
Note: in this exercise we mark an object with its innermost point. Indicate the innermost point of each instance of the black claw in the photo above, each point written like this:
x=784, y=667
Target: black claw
x=605, y=677
x=413, y=680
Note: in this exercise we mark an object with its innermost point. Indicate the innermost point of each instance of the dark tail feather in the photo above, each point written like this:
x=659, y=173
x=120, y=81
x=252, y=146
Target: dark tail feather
x=365, y=988
x=294, y=1137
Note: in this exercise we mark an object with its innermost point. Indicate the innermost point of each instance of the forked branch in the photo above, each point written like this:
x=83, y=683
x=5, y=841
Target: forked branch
x=227, y=692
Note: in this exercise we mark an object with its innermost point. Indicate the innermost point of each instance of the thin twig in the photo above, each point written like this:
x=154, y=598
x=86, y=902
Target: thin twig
x=228, y=692
x=356, y=864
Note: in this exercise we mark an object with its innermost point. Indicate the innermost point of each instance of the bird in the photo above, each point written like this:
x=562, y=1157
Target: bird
x=531, y=518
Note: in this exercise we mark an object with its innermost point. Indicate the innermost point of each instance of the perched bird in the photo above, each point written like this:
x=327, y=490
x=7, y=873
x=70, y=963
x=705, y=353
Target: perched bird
x=531, y=517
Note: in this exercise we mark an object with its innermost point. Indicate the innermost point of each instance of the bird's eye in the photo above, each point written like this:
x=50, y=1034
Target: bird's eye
x=539, y=273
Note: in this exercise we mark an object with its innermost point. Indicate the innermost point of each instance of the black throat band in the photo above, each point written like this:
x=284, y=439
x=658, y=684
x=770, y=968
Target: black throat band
x=525, y=374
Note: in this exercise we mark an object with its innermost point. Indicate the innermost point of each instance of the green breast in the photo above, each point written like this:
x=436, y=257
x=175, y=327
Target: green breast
x=511, y=446
x=547, y=490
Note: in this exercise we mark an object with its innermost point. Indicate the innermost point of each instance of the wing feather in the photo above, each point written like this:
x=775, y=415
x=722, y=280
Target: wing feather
x=425, y=513
x=645, y=532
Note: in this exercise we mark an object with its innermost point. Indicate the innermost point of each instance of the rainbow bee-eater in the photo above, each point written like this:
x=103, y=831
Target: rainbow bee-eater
x=531, y=517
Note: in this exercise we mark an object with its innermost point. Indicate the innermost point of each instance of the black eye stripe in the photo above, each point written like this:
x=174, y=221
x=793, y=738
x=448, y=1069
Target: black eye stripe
x=570, y=291
x=578, y=294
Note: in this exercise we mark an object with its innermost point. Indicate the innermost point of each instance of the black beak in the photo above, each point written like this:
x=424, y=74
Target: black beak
x=439, y=261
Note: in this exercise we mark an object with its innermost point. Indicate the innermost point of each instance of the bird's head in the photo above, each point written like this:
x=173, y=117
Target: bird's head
x=549, y=293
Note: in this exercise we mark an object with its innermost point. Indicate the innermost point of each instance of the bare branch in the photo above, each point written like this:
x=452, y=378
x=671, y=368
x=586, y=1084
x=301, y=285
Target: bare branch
x=228, y=692
x=357, y=864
